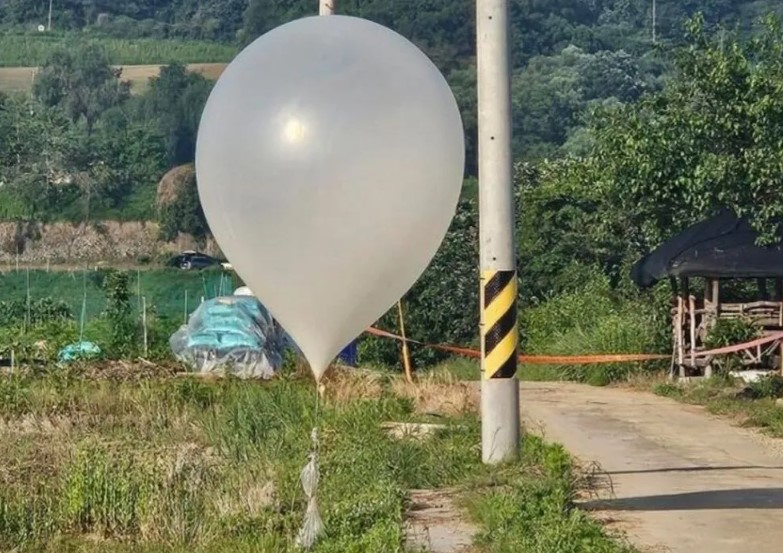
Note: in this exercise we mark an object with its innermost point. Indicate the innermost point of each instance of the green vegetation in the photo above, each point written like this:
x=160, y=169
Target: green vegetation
x=752, y=405
x=109, y=301
x=520, y=513
x=620, y=143
x=594, y=319
x=134, y=463
x=30, y=50
x=164, y=288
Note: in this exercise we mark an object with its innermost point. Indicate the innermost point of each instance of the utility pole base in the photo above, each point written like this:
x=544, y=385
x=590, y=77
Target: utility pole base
x=499, y=405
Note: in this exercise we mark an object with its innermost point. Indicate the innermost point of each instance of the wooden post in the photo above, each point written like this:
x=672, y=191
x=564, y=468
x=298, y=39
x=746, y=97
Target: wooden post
x=678, y=329
x=144, y=324
x=138, y=287
x=675, y=341
x=716, y=296
x=406, y=354
x=781, y=358
x=185, y=318
x=692, y=310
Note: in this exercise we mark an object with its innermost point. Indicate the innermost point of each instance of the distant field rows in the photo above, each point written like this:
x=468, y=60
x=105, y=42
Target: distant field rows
x=20, y=79
x=26, y=50
x=140, y=59
x=166, y=290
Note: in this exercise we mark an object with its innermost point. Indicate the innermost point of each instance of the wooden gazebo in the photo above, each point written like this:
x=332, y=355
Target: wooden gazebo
x=702, y=263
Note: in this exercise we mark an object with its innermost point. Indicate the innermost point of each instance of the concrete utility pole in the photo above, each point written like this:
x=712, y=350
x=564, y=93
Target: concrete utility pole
x=327, y=7
x=654, y=22
x=49, y=25
x=499, y=335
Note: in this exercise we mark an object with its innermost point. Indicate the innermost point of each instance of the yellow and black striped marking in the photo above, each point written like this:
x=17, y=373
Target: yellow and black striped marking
x=499, y=323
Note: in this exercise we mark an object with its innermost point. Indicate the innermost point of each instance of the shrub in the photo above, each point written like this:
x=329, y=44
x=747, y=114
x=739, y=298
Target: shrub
x=119, y=314
x=767, y=387
x=595, y=319
x=728, y=332
x=17, y=312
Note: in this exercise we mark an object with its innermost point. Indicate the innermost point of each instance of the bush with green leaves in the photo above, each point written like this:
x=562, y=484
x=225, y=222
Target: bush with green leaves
x=119, y=314
x=728, y=332
x=596, y=319
x=38, y=343
x=18, y=312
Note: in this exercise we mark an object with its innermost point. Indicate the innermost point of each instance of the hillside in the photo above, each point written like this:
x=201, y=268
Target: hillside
x=69, y=155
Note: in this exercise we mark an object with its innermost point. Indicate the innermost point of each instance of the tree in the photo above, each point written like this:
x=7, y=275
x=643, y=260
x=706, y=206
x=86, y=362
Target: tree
x=551, y=94
x=173, y=104
x=709, y=140
x=80, y=80
x=183, y=213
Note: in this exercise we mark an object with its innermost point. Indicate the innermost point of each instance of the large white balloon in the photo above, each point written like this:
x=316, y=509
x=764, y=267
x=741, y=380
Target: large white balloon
x=330, y=160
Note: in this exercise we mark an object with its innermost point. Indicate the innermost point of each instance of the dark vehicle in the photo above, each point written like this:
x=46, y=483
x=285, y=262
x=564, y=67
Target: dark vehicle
x=195, y=260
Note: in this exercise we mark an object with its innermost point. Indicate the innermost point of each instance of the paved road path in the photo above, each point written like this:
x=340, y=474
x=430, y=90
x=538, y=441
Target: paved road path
x=684, y=481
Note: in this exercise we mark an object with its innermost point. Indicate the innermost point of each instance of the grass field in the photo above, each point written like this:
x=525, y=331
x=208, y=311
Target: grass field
x=111, y=462
x=751, y=405
x=30, y=50
x=140, y=59
x=20, y=79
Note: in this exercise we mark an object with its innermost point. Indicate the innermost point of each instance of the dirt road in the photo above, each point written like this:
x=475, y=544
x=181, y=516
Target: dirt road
x=683, y=480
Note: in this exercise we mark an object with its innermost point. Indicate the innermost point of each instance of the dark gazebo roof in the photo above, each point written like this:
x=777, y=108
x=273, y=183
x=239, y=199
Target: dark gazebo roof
x=723, y=246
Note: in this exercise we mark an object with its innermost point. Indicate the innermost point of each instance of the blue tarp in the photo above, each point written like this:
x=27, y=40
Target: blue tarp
x=231, y=334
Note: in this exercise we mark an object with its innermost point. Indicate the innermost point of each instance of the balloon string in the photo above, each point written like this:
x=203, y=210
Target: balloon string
x=312, y=526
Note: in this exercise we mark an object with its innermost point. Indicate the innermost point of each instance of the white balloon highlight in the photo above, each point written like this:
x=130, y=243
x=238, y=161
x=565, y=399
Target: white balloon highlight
x=330, y=160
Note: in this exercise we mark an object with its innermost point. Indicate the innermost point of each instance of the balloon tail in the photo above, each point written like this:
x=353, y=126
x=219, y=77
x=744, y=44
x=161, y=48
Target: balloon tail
x=312, y=526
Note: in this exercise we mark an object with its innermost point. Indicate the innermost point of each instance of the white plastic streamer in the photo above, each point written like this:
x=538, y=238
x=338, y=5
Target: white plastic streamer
x=313, y=526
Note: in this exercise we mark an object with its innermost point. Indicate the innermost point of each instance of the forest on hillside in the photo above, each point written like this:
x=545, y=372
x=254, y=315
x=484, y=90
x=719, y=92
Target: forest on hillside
x=620, y=141
x=544, y=26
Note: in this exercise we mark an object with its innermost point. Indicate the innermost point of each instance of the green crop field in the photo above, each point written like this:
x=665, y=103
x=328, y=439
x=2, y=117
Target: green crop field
x=164, y=289
x=140, y=59
x=29, y=50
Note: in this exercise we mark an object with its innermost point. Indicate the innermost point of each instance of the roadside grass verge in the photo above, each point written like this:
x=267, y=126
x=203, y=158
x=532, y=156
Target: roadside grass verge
x=170, y=464
x=751, y=405
x=530, y=507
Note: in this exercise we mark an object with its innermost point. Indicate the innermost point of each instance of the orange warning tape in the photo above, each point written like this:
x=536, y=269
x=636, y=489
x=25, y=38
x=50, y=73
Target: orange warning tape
x=531, y=359
x=581, y=359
